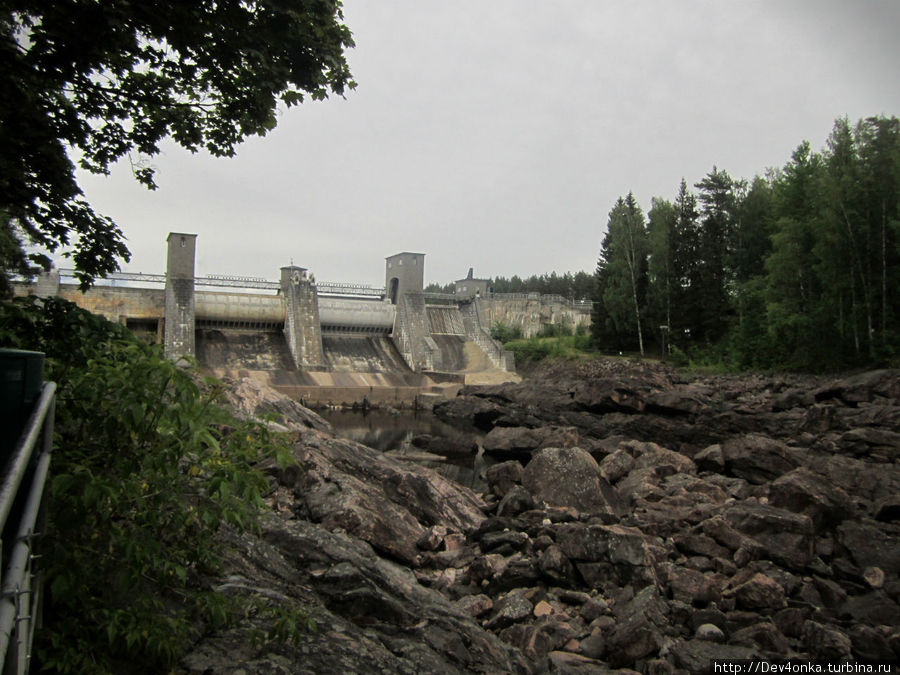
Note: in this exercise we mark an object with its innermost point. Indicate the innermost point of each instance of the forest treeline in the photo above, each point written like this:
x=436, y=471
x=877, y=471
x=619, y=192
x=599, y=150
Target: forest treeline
x=795, y=269
x=578, y=287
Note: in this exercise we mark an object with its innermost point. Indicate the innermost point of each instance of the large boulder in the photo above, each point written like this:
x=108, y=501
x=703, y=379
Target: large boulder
x=785, y=537
x=345, y=485
x=512, y=442
x=803, y=491
x=757, y=459
x=570, y=477
x=371, y=614
x=606, y=395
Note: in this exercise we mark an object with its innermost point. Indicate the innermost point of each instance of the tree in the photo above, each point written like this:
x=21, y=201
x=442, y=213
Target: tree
x=792, y=281
x=622, y=270
x=662, y=220
x=750, y=244
x=716, y=206
x=686, y=315
x=100, y=81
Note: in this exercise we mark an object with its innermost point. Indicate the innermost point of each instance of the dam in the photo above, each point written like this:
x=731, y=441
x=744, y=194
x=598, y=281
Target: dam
x=321, y=343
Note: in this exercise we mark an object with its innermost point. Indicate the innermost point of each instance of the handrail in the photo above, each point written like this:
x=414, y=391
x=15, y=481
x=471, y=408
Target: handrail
x=20, y=589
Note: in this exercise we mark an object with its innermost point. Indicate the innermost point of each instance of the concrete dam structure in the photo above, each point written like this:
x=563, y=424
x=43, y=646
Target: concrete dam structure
x=322, y=343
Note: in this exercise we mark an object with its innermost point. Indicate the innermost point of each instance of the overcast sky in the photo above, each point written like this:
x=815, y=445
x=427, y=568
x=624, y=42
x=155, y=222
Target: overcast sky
x=498, y=135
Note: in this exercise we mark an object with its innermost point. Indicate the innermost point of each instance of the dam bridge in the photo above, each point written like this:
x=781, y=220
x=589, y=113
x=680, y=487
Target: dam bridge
x=322, y=343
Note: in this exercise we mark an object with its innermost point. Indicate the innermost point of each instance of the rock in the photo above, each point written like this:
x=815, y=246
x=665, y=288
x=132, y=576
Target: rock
x=570, y=477
x=616, y=465
x=446, y=447
x=875, y=608
x=608, y=395
x=639, y=628
x=354, y=488
x=593, y=646
x=511, y=539
x=475, y=605
x=887, y=509
x=862, y=388
x=874, y=576
x=695, y=656
x=869, y=644
x=675, y=402
x=556, y=566
x=700, y=544
x=503, y=476
x=613, y=544
x=790, y=621
x=793, y=516
x=477, y=411
x=793, y=398
x=509, y=609
x=757, y=459
x=764, y=636
x=709, y=632
x=869, y=543
x=825, y=643
x=521, y=441
x=538, y=639
x=250, y=398
x=372, y=615
x=515, y=501
x=803, y=491
x=759, y=593
x=691, y=587
x=567, y=662
x=664, y=461
x=786, y=538
x=711, y=458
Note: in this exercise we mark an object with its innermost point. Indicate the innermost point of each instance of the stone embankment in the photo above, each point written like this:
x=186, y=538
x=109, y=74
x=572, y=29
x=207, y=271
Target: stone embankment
x=637, y=519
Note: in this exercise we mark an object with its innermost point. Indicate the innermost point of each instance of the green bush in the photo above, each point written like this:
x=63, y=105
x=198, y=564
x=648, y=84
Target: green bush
x=505, y=333
x=146, y=468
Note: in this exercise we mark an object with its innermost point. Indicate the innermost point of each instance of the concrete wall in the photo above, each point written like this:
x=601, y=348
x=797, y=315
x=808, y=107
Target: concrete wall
x=118, y=304
x=530, y=312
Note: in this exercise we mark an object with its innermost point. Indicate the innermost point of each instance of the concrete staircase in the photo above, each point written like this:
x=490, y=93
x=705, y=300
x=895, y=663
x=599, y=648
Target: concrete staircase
x=477, y=333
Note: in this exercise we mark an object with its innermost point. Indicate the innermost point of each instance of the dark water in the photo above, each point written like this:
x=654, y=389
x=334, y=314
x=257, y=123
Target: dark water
x=392, y=433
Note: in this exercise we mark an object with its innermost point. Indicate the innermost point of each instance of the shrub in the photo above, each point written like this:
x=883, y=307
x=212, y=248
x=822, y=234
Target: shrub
x=505, y=333
x=146, y=468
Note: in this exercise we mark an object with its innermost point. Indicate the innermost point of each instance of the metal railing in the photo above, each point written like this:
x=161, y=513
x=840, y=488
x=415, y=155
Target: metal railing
x=20, y=507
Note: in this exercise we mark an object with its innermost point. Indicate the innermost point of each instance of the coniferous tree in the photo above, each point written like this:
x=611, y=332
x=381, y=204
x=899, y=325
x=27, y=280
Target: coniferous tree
x=662, y=221
x=622, y=269
x=685, y=255
x=716, y=198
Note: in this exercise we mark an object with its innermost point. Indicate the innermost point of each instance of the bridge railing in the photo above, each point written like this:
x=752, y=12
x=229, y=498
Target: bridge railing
x=20, y=506
x=138, y=279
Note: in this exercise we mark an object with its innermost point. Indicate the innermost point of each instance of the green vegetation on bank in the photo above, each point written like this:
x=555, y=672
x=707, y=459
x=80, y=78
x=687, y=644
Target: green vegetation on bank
x=147, y=467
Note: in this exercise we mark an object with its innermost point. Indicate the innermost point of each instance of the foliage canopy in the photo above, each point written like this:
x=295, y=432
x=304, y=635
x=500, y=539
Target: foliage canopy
x=99, y=81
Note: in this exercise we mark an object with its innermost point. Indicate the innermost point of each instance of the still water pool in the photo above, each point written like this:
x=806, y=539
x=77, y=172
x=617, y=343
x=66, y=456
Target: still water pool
x=394, y=432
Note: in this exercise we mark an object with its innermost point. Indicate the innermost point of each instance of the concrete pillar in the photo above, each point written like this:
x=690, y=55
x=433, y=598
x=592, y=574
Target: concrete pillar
x=302, y=329
x=47, y=284
x=180, y=323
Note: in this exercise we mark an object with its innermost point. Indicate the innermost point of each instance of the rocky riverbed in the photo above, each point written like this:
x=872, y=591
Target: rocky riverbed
x=638, y=518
